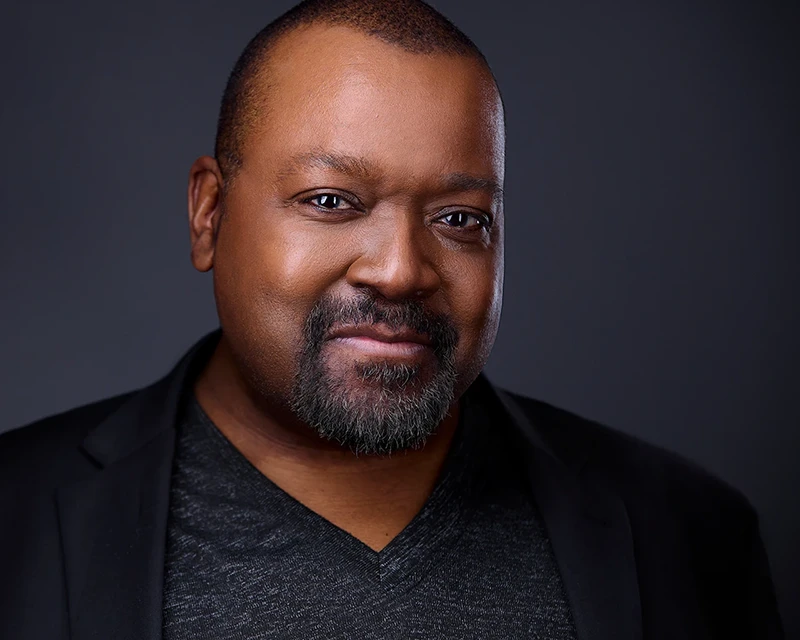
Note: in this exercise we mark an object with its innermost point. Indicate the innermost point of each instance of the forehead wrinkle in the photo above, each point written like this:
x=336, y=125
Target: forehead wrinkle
x=345, y=164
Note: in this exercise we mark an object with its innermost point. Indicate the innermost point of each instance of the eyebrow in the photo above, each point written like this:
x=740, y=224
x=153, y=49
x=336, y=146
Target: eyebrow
x=348, y=165
x=469, y=182
x=362, y=168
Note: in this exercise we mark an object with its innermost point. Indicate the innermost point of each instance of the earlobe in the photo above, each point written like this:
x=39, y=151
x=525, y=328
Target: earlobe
x=205, y=209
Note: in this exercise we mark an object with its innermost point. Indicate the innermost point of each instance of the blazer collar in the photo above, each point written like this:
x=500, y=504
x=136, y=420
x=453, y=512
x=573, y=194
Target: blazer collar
x=150, y=411
x=571, y=453
x=585, y=517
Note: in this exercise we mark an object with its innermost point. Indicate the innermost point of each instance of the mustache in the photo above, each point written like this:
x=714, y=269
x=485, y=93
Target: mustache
x=331, y=311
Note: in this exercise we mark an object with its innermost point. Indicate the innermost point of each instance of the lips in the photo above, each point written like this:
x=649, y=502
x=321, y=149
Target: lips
x=380, y=340
x=380, y=333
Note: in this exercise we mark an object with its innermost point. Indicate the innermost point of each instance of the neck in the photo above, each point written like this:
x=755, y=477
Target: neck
x=371, y=497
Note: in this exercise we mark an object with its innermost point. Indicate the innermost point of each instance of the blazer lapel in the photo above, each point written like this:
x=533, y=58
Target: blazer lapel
x=114, y=522
x=114, y=535
x=589, y=530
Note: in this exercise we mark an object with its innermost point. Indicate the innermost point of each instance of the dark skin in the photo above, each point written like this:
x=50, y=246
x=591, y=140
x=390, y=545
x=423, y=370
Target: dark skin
x=370, y=168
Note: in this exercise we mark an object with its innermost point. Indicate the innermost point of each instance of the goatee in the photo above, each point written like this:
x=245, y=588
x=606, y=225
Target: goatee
x=397, y=407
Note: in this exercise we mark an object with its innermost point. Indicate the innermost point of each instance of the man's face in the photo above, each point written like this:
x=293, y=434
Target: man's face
x=358, y=265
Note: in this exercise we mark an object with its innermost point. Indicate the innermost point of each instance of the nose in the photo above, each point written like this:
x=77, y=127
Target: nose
x=396, y=259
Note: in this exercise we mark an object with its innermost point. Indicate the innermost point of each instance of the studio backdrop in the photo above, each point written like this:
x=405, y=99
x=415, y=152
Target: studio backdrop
x=652, y=215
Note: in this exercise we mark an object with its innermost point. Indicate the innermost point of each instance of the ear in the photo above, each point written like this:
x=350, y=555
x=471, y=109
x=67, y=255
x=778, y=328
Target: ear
x=205, y=209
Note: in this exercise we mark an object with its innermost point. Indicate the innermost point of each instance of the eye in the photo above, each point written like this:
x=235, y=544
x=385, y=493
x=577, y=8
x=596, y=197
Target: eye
x=464, y=220
x=331, y=201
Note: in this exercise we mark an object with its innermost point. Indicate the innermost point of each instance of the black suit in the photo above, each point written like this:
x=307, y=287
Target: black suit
x=649, y=546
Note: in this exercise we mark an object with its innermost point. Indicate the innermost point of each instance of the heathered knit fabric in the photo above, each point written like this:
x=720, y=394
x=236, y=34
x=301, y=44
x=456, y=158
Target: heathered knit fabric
x=246, y=560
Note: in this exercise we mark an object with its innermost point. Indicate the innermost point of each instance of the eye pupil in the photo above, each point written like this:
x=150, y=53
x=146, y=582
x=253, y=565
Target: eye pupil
x=459, y=219
x=329, y=201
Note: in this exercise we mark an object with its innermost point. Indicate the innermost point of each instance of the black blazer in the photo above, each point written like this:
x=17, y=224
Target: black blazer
x=649, y=545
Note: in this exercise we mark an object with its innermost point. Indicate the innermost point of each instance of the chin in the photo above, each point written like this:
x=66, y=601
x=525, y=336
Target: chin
x=374, y=406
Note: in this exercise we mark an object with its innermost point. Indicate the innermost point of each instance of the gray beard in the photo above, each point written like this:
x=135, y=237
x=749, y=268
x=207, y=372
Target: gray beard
x=393, y=409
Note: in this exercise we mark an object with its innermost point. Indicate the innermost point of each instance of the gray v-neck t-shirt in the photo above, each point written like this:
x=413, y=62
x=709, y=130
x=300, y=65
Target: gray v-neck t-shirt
x=246, y=560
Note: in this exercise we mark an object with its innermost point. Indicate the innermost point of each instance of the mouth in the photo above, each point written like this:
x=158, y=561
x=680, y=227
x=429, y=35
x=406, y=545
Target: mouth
x=380, y=340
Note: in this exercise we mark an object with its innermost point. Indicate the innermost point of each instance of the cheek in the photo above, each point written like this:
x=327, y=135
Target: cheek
x=476, y=293
x=268, y=273
x=279, y=261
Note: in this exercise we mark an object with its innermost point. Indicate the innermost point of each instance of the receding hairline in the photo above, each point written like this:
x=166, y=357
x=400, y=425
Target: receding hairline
x=282, y=46
x=261, y=78
x=279, y=40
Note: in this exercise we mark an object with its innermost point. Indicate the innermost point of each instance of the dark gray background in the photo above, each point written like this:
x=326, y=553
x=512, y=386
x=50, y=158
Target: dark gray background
x=652, y=215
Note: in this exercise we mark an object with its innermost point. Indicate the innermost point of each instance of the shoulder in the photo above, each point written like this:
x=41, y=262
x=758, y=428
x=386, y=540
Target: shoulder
x=639, y=470
x=51, y=446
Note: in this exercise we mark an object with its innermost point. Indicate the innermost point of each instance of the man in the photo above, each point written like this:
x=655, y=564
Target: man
x=331, y=463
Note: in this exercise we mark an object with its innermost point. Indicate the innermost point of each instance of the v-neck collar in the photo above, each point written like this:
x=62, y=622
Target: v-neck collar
x=402, y=563
x=436, y=528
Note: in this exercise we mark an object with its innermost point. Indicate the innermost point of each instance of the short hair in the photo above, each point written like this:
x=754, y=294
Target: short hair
x=412, y=25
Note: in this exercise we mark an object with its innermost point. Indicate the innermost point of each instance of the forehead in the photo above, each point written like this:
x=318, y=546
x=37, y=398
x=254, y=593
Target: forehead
x=336, y=89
